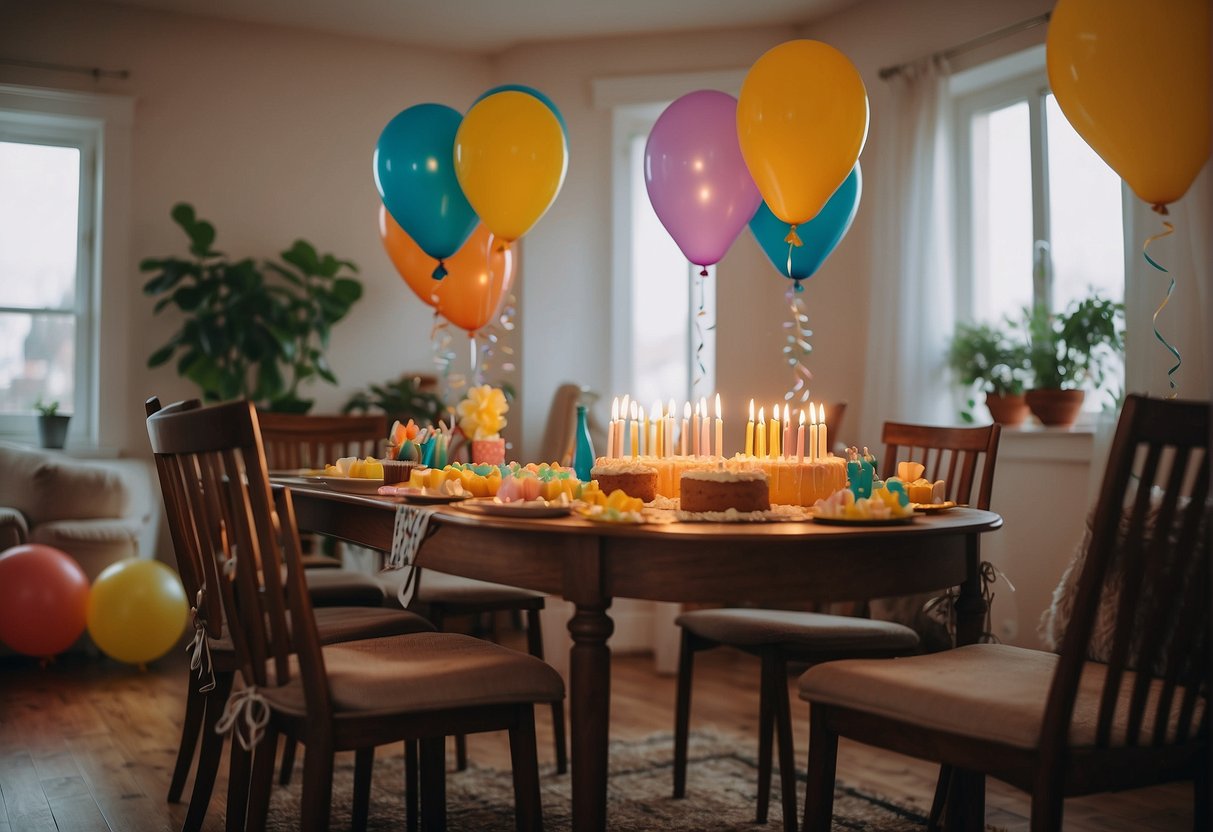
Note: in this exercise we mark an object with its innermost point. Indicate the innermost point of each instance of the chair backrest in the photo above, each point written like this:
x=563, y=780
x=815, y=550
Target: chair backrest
x=1149, y=550
x=949, y=454
x=243, y=534
x=559, y=433
x=295, y=440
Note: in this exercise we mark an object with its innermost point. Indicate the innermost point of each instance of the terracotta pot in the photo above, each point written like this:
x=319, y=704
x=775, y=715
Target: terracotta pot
x=1057, y=408
x=1007, y=409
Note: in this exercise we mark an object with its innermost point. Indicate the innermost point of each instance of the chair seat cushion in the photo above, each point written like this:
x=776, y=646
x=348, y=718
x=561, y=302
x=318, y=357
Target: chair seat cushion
x=423, y=672
x=339, y=624
x=441, y=588
x=993, y=692
x=343, y=588
x=803, y=630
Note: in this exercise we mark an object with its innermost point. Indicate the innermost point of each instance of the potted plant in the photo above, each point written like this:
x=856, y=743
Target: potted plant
x=993, y=360
x=251, y=330
x=52, y=425
x=408, y=397
x=1069, y=349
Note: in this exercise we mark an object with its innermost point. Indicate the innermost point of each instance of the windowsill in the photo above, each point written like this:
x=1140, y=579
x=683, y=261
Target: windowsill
x=74, y=451
x=1034, y=442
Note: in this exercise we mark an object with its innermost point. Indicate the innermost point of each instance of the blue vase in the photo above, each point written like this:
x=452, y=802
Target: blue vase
x=583, y=450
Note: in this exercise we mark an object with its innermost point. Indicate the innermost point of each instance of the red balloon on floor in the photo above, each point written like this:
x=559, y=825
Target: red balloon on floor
x=43, y=599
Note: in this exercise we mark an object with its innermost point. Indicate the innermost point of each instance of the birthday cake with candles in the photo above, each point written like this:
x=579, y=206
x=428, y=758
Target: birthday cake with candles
x=721, y=489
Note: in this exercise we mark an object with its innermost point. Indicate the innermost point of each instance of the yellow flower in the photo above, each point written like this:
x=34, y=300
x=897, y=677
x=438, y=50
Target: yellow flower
x=482, y=413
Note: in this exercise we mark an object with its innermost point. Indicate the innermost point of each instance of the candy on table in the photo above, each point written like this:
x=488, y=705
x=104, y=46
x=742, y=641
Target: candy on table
x=861, y=472
x=355, y=468
x=402, y=441
x=617, y=508
x=887, y=502
x=483, y=480
x=919, y=489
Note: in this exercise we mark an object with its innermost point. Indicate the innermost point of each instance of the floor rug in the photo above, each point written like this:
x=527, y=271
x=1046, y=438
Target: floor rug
x=721, y=791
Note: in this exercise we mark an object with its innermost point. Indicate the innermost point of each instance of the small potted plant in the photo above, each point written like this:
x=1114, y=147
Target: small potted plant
x=1069, y=349
x=52, y=425
x=993, y=360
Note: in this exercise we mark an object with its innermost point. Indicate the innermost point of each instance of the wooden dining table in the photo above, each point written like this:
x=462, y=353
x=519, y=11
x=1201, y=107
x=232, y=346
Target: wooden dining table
x=590, y=563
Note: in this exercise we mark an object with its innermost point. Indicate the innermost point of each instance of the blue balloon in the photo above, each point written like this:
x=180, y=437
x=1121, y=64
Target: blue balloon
x=551, y=105
x=415, y=175
x=820, y=235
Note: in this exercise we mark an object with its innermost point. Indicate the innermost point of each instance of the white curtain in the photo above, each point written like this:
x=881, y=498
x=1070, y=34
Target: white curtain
x=913, y=292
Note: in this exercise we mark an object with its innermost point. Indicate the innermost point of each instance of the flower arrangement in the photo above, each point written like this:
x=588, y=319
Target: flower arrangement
x=482, y=413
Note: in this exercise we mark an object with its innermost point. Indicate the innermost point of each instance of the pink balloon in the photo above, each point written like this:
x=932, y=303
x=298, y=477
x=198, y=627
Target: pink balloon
x=43, y=599
x=696, y=177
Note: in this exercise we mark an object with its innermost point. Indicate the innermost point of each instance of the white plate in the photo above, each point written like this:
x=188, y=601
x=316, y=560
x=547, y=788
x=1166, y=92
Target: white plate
x=490, y=507
x=353, y=485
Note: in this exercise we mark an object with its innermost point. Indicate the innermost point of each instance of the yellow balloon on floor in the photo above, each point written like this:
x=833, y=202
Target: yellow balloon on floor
x=802, y=120
x=1133, y=78
x=136, y=610
x=510, y=159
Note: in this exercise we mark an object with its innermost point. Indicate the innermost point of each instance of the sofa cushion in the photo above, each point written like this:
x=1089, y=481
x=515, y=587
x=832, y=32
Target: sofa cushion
x=13, y=529
x=95, y=544
x=45, y=486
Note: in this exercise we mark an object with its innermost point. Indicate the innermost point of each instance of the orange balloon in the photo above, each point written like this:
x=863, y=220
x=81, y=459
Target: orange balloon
x=478, y=278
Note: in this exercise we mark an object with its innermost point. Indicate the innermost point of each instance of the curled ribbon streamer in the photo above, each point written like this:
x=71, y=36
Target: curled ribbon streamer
x=247, y=708
x=442, y=345
x=797, y=347
x=200, y=652
x=699, y=338
x=1145, y=252
x=942, y=608
x=492, y=344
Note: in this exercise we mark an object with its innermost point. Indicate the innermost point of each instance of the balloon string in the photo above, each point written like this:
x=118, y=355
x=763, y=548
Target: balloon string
x=702, y=371
x=493, y=342
x=797, y=346
x=1145, y=252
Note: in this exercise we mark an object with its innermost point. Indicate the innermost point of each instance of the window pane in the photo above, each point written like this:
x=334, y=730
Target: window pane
x=1086, y=227
x=1002, y=211
x=37, y=360
x=660, y=300
x=39, y=212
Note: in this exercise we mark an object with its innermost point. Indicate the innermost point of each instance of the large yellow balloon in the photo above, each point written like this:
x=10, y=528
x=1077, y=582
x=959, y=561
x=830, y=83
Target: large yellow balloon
x=136, y=610
x=802, y=120
x=510, y=158
x=1133, y=78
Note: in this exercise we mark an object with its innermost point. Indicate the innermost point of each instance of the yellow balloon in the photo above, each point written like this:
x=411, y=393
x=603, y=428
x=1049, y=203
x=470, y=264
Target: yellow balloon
x=136, y=610
x=1133, y=78
x=802, y=120
x=510, y=159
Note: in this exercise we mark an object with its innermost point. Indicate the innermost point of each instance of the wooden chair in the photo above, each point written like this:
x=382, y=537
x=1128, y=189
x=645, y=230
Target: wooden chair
x=1063, y=725
x=204, y=704
x=780, y=637
x=352, y=696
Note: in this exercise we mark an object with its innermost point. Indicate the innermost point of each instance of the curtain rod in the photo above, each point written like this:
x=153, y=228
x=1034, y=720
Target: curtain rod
x=1022, y=26
x=95, y=71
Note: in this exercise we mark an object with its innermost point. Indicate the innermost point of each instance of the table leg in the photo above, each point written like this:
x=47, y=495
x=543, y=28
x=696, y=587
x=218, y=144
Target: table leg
x=967, y=791
x=590, y=710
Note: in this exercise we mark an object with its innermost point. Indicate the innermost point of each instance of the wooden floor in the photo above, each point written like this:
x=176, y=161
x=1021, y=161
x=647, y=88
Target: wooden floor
x=87, y=744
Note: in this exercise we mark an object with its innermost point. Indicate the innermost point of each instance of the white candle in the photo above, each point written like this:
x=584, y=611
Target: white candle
x=695, y=431
x=635, y=431
x=654, y=415
x=686, y=424
x=800, y=438
x=613, y=430
x=669, y=429
x=812, y=432
x=705, y=429
x=786, y=449
x=719, y=429
x=823, y=444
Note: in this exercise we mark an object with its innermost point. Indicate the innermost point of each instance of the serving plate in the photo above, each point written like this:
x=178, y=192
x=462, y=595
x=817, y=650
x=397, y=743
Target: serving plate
x=422, y=497
x=488, y=506
x=934, y=508
x=353, y=485
x=872, y=521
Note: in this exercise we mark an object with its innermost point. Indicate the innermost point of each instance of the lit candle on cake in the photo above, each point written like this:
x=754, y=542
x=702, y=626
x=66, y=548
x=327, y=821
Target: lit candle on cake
x=669, y=429
x=695, y=431
x=654, y=432
x=686, y=425
x=760, y=435
x=705, y=429
x=800, y=438
x=719, y=429
x=635, y=430
x=812, y=432
x=773, y=439
x=612, y=428
x=786, y=448
x=749, y=432
x=823, y=444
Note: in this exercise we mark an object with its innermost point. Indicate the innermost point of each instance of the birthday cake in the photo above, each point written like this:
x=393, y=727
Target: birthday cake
x=721, y=489
x=631, y=476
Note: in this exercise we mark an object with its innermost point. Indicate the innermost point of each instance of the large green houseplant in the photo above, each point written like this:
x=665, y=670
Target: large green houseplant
x=1068, y=349
x=254, y=330
x=992, y=360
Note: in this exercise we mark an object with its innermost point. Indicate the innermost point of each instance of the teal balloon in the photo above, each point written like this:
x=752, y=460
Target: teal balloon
x=415, y=174
x=820, y=235
x=547, y=102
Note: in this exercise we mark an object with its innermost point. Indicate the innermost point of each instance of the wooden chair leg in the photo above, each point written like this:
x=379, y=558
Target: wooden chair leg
x=941, y=799
x=239, y=771
x=411, y=804
x=317, y=784
x=1202, y=810
x=1048, y=802
x=966, y=807
x=534, y=646
x=191, y=727
x=262, y=781
x=766, y=733
x=364, y=762
x=461, y=752
x=783, y=725
x=682, y=713
x=433, y=784
x=289, y=744
x=524, y=758
x=823, y=758
x=210, y=755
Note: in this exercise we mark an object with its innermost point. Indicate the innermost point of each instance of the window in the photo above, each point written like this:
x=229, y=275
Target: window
x=1040, y=216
